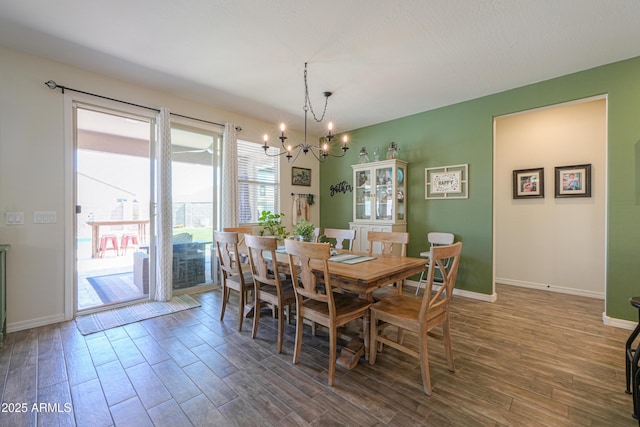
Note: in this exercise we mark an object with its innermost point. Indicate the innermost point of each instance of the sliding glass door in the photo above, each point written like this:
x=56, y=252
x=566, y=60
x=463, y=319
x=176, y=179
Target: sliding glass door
x=195, y=187
x=113, y=198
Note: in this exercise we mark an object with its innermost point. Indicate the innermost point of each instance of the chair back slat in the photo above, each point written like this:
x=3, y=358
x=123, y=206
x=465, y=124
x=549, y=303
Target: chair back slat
x=446, y=259
x=388, y=239
x=305, y=281
x=263, y=270
x=438, y=238
x=341, y=235
x=227, y=247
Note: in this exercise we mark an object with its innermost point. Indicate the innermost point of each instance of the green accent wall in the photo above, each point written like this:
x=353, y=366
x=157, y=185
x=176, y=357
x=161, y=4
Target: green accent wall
x=463, y=133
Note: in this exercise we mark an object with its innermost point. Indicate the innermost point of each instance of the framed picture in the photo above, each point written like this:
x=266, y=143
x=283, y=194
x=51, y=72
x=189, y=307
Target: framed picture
x=528, y=183
x=573, y=181
x=446, y=182
x=300, y=176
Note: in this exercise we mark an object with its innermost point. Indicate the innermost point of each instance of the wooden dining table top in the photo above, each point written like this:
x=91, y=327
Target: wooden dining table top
x=365, y=277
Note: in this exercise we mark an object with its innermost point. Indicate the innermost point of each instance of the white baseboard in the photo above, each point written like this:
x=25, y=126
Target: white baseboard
x=460, y=292
x=551, y=288
x=35, y=323
x=618, y=323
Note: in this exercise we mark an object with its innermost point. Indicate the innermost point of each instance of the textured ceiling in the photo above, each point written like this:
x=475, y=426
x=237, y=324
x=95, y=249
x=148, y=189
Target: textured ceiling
x=382, y=59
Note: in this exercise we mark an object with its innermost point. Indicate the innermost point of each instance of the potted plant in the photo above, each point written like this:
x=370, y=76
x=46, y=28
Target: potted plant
x=304, y=231
x=271, y=224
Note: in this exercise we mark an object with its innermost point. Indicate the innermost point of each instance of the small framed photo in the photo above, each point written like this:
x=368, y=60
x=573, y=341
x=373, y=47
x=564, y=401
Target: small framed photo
x=300, y=176
x=528, y=183
x=573, y=181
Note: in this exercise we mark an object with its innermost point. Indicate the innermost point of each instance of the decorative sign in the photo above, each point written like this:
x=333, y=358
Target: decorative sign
x=446, y=182
x=341, y=187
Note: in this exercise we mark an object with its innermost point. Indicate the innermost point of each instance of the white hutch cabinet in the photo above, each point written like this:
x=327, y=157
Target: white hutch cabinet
x=378, y=199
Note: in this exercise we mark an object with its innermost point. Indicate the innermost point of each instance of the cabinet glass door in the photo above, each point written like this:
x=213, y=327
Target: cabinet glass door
x=363, y=194
x=400, y=193
x=384, y=193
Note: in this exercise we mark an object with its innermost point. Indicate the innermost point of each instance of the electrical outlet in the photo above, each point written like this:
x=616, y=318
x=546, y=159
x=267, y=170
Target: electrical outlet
x=14, y=218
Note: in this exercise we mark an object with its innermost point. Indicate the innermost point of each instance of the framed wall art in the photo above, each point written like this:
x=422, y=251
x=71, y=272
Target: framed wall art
x=300, y=176
x=528, y=183
x=573, y=181
x=446, y=182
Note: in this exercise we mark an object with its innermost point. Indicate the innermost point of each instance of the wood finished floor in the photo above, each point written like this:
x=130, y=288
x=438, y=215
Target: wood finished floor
x=532, y=358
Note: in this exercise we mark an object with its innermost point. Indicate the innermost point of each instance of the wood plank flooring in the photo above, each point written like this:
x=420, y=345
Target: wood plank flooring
x=532, y=358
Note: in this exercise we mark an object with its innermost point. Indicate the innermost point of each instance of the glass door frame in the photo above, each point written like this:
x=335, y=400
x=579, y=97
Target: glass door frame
x=216, y=132
x=70, y=217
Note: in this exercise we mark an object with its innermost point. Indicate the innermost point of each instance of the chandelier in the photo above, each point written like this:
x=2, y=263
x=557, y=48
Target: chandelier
x=321, y=151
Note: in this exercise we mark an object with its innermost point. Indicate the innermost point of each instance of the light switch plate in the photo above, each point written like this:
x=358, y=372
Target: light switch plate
x=44, y=217
x=14, y=218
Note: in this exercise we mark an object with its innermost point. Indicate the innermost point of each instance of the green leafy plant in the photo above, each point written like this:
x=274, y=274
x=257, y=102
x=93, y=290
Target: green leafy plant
x=305, y=230
x=271, y=224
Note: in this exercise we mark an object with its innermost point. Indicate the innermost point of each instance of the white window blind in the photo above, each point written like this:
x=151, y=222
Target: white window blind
x=258, y=182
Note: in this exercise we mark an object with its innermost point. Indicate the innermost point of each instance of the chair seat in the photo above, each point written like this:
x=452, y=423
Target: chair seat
x=288, y=294
x=234, y=284
x=347, y=307
x=425, y=254
x=404, y=308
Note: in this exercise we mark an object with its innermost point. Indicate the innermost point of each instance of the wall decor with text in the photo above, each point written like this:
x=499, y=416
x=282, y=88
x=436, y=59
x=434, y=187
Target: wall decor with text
x=447, y=182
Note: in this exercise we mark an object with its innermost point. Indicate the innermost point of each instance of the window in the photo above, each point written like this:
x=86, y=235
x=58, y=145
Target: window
x=258, y=182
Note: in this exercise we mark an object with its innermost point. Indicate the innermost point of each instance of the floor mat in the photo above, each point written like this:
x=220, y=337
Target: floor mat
x=103, y=320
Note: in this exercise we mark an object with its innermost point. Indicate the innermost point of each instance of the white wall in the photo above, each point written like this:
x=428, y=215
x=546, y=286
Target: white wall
x=32, y=173
x=551, y=243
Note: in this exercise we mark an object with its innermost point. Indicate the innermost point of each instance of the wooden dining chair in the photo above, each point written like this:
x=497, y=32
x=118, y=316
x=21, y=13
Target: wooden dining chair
x=419, y=315
x=341, y=235
x=242, y=232
x=315, y=299
x=233, y=275
x=385, y=243
x=269, y=285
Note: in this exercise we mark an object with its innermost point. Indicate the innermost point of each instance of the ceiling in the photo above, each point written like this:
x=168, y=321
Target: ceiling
x=382, y=59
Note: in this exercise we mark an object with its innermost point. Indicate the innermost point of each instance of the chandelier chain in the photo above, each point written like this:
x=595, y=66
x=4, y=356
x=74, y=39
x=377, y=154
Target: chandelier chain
x=320, y=151
x=307, y=100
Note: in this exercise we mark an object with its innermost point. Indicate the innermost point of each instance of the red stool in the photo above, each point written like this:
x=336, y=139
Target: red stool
x=104, y=240
x=126, y=239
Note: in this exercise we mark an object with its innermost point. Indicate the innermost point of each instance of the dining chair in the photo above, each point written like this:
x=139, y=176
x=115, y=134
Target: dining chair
x=434, y=239
x=242, y=232
x=315, y=299
x=234, y=275
x=340, y=235
x=316, y=234
x=419, y=315
x=269, y=286
x=384, y=243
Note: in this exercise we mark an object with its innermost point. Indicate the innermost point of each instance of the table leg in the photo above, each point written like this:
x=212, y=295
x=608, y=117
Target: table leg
x=94, y=240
